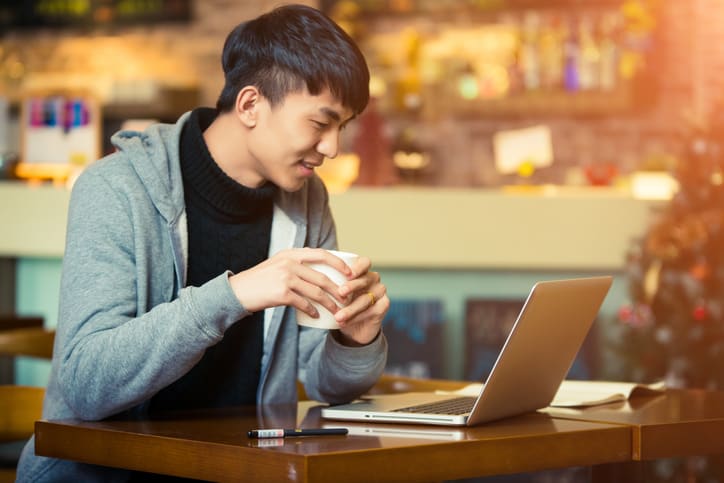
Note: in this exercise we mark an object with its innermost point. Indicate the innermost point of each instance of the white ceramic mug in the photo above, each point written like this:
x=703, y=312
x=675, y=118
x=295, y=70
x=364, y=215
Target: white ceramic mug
x=326, y=318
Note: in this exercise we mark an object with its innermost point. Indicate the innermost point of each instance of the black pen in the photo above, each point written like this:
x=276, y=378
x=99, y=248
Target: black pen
x=285, y=433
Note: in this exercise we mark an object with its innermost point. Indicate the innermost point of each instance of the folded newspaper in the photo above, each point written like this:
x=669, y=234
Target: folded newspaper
x=588, y=393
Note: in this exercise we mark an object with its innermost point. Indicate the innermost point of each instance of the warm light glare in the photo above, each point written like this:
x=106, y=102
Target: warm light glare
x=653, y=185
x=413, y=161
x=339, y=173
x=378, y=86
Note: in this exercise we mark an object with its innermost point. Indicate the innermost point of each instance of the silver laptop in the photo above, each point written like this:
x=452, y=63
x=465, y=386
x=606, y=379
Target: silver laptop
x=534, y=360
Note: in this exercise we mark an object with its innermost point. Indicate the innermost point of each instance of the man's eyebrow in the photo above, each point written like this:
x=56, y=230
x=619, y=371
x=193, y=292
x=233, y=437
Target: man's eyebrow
x=335, y=116
x=331, y=113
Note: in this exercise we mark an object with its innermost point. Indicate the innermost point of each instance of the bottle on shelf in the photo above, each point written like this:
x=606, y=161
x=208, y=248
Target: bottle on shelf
x=530, y=58
x=551, y=52
x=572, y=56
x=590, y=56
x=609, y=52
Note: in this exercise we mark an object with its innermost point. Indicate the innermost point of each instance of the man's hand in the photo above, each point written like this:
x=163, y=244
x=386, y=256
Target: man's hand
x=284, y=279
x=360, y=321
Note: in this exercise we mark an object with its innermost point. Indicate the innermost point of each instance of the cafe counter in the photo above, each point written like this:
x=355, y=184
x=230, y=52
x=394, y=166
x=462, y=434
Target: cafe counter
x=522, y=228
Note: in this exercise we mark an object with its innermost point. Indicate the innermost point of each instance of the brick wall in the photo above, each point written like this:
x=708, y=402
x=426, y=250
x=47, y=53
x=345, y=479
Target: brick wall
x=688, y=65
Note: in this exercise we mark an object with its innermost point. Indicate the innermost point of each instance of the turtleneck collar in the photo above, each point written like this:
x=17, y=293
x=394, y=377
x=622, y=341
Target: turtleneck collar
x=205, y=181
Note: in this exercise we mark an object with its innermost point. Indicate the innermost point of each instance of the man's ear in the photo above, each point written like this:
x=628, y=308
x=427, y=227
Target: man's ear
x=247, y=105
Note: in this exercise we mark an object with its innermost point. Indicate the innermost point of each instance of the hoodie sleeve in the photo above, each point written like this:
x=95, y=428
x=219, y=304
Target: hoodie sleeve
x=117, y=346
x=330, y=371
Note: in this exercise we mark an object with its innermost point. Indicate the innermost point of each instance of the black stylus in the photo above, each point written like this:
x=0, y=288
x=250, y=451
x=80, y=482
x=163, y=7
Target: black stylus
x=285, y=433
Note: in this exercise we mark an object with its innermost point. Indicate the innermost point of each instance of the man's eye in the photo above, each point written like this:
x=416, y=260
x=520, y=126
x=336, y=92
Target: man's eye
x=320, y=125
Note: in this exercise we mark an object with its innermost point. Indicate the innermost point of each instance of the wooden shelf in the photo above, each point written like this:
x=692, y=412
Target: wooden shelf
x=466, y=8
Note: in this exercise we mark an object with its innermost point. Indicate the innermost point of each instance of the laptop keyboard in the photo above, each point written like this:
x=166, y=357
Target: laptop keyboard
x=455, y=406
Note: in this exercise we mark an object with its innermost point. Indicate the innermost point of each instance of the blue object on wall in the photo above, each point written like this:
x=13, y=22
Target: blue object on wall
x=414, y=333
x=487, y=325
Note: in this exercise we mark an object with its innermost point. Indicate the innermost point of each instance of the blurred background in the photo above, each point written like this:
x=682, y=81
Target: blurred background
x=506, y=142
x=608, y=83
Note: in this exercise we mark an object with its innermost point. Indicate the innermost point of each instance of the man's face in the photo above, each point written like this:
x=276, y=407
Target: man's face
x=294, y=137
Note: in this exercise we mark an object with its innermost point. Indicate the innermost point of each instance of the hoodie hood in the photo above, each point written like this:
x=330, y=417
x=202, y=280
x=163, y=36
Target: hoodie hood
x=154, y=156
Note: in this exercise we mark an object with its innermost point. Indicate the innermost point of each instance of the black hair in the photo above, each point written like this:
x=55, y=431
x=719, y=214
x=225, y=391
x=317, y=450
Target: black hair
x=291, y=47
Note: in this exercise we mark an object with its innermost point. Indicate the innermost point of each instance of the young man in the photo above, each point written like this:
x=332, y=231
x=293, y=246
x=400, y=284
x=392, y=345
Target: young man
x=186, y=249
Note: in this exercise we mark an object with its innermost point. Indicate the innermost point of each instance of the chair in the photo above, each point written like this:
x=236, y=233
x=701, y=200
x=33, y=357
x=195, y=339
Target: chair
x=8, y=322
x=12, y=321
x=32, y=342
x=20, y=406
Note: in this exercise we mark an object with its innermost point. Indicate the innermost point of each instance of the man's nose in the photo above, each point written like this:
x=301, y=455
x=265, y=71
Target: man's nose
x=329, y=144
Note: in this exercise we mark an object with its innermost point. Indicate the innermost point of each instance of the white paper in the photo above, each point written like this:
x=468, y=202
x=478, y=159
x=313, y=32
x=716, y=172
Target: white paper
x=528, y=145
x=591, y=393
x=581, y=393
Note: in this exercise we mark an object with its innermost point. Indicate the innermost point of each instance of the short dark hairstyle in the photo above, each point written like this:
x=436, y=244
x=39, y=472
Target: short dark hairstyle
x=287, y=48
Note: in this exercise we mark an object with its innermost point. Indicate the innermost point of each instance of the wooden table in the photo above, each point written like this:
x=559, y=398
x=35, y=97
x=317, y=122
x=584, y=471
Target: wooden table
x=677, y=423
x=614, y=439
x=213, y=445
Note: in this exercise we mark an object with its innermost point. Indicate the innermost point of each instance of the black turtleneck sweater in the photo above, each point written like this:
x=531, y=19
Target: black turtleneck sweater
x=229, y=227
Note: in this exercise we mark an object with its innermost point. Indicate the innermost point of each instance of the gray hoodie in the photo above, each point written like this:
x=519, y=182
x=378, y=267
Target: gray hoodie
x=129, y=327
